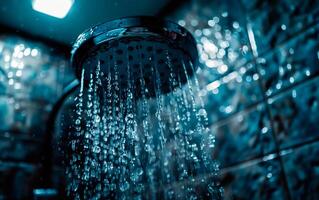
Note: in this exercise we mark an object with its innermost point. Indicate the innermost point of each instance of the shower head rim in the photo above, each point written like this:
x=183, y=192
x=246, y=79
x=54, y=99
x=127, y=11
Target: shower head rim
x=104, y=32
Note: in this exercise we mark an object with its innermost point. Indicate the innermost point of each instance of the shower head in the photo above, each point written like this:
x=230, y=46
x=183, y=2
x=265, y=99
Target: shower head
x=139, y=47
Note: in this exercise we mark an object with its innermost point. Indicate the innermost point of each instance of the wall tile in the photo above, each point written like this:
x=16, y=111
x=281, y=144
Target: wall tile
x=258, y=179
x=26, y=118
x=244, y=136
x=221, y=36
x=232, y=93
x=295, y=114
x=290, y=64
x=274, y=22
x=32, y=70
x=302, y=169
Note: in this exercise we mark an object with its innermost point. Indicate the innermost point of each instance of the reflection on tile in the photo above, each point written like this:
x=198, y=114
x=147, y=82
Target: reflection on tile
x=244, y=136
x=290, y=64
x=302, y=169
x=295, y=114
x=274, y=22
x=221, y=35
x=31, y=70
x=254, y=180
x=232, y=93
x=32, y=78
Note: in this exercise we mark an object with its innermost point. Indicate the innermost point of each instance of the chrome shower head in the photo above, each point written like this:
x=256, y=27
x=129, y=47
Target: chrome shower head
x=137, y=46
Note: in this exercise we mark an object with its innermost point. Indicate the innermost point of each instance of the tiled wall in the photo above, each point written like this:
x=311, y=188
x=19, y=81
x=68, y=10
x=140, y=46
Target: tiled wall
x=259, y=78
x=32, y=77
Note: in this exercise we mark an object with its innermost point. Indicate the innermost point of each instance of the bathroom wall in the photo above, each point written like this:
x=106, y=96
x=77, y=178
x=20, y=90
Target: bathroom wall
x=32, y=78
x=259, y=80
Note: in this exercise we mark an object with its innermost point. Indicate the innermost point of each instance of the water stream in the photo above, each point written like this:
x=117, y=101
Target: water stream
x=126, y=147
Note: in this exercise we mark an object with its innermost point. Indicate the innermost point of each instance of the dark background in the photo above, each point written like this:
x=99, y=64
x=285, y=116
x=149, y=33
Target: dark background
x=259, y=80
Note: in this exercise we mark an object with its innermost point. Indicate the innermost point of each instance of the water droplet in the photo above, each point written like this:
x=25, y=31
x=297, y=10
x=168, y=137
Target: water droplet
x=78, y=122
x=202, y=112
x=97, y=119
x=124, y=186
x=96, y=149
x=125, y=141
x=136, y=174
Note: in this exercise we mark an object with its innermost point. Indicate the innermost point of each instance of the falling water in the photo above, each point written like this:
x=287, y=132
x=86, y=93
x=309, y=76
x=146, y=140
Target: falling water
x=126, y=147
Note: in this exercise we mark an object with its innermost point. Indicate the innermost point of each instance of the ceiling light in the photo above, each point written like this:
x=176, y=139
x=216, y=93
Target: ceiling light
x=55, y=8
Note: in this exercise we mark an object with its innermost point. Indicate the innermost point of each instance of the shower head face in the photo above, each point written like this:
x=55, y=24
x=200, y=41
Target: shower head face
x=139, y=48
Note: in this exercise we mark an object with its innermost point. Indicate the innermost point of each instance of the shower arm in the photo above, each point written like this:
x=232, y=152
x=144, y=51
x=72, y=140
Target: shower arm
x=47, y=155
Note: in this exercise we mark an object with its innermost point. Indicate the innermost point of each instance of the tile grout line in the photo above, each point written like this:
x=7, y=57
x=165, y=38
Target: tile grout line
x=269, y=51
x=277, y=146
x=275, y=139
x=265, y=98
x=295, y=146
x=252, y=43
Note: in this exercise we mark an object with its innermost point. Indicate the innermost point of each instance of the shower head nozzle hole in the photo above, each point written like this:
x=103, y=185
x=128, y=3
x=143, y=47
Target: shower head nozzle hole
x=119, y=62
x=119, y=51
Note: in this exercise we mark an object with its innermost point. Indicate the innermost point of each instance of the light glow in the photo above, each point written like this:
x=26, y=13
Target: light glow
x=55, y=8
x=212, y=86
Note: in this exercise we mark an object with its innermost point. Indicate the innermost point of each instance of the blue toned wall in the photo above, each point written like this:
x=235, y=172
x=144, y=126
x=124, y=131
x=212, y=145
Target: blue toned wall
x=259, y=77
x=32, y=78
